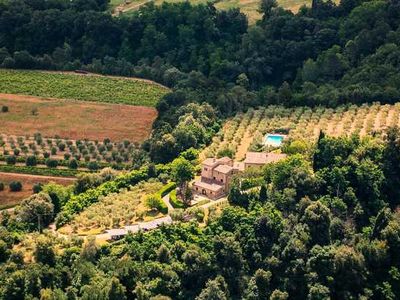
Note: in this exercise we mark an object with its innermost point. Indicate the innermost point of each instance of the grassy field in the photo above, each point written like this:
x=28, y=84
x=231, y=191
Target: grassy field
x=246, y=131
x=88, y=87
x=248, y=7
x=9, y=199
x=115, y=210
x=74, y=119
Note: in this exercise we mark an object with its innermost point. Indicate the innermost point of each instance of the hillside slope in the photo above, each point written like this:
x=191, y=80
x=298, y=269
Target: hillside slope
x=95, y=88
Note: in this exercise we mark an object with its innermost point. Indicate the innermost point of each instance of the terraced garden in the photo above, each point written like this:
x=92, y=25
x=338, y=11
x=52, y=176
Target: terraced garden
x=246, y=131
x=116, y=210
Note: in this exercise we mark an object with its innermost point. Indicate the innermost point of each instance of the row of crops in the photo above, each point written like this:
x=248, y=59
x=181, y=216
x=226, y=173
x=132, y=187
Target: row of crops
x=59, y=149
x=246, y=131
x=81, y=87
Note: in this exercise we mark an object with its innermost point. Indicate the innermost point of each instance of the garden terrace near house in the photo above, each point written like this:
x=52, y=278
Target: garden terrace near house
x=117, y=90
x=247, y=131
x=116, y=210
x=78, y=203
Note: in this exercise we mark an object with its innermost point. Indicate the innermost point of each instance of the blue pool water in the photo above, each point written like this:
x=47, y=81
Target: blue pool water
x=274, y=140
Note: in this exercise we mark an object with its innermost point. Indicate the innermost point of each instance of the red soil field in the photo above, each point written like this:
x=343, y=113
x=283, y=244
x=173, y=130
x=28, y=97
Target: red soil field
x=74, y=120
x=8, y=199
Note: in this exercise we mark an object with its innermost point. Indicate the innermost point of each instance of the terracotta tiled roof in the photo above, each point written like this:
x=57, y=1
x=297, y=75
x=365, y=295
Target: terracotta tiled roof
x=224, y=160
x=238, y=166
x=209, y=162
x=224, y=169
x=259, y=158
x=208, y=186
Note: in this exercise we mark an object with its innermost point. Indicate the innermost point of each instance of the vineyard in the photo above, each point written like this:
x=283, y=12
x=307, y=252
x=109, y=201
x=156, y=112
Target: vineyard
x=116, y=210
x=81, y=87
x=246, y=131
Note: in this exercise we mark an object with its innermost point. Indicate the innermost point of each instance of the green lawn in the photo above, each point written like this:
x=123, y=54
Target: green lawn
x=81, y=87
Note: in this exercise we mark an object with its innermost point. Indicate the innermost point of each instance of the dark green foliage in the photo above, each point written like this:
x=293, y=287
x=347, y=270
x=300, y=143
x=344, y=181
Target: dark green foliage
x=15, y=186
x=325, y=55
x=295, y=230
x=39, y=171
x=31, y=161
x=73, y=164
x=37, y=188
x=51, y=163
x=11, y=160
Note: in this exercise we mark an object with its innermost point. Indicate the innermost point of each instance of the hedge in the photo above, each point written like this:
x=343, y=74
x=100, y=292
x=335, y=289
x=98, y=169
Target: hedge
x=39, y=171
x=65, y=163
x=166, y=189
x=174, y=200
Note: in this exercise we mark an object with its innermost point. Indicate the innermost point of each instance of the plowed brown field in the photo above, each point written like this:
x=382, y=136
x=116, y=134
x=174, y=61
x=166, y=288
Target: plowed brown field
x=75, y=119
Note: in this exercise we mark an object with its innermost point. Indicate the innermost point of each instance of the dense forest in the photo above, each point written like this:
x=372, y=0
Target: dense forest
x=324, y=55
x=322, y=224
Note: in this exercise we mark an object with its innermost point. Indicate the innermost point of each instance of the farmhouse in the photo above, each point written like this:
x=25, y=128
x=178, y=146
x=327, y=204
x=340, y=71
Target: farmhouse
x=216, y=174
x=259, y=159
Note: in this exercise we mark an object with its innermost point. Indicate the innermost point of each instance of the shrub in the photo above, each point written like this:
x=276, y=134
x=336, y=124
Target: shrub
x=34, y=111
x=31, y=161
x=93, y=165
x=53, y=150
x=11, y=160
x=1, y=186
x=37, y=188
x=178, y=214
x=61, y=146
x=51, y=163
x=46, y=154
x=155, y=202
x=67, y=156
x=165, y=189
x=4, y=109
x=17, y=151
x=15, y=186
x=73, y=164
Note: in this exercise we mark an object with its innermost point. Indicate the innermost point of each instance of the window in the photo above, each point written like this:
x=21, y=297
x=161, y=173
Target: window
x=197, y=188
x=205, y=169
x=222, y=180
x=214, y=177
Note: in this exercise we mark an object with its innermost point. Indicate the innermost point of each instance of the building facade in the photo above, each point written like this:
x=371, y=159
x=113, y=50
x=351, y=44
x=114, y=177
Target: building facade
x=216, y=174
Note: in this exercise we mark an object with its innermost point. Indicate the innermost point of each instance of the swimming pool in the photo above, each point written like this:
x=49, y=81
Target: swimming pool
x=274, y=140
